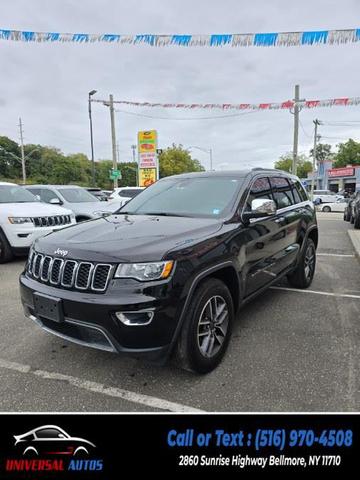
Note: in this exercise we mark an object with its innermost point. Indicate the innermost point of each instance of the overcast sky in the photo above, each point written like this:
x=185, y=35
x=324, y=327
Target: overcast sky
x=47, y=84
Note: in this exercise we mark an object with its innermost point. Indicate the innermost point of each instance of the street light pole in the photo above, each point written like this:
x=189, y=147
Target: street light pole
x=23, y=167
x=316, y=138
x=92, y=138
x=206, y=150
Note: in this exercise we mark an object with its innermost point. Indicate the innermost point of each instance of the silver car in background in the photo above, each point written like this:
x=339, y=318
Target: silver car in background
x=82, y=203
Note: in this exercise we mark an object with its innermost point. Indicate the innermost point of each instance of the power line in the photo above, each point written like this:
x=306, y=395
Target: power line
x=185, y=118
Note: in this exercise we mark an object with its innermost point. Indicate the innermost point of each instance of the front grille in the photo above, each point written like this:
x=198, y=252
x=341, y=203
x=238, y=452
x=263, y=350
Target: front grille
x=54, y=221
x=69, y=273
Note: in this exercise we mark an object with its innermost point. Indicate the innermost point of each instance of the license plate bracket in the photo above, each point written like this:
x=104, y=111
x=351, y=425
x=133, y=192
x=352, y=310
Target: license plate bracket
x=48, y=307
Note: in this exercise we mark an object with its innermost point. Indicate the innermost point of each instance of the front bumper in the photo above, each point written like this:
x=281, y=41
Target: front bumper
x=89, y=318
x=22, y=236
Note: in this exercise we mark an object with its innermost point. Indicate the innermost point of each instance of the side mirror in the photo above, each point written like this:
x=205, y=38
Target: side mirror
x=260, y=207
x=55, y=201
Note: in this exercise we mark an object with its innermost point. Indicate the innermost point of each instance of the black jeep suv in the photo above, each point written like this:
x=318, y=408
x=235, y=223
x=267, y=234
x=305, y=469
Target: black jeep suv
x=167, y=273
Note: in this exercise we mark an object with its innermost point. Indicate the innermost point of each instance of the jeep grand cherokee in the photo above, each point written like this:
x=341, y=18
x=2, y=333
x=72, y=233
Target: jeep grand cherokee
x=167, y=273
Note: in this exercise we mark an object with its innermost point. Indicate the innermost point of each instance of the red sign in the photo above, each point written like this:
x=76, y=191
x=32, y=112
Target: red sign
x=341, y=172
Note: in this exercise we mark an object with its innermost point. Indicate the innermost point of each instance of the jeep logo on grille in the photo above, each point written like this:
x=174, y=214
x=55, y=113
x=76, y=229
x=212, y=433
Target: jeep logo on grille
x=60, y=252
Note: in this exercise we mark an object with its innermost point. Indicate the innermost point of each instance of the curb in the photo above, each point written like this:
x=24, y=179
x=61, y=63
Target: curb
x=355, y=240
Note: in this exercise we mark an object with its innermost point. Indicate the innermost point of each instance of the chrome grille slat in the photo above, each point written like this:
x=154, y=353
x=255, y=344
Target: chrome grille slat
x=84, y=284
x=103, y=281
x=46, y=265
x=69, y=273
x=56, y=220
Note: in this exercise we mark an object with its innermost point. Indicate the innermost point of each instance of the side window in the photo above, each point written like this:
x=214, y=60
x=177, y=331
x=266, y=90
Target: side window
x=282, y=192
x=35, y=191
x=301, y=190
x=259, y=189
x=47, y=195
x=295, y=191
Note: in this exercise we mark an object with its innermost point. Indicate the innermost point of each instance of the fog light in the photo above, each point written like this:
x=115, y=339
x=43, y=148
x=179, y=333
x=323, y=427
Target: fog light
x=135, y=319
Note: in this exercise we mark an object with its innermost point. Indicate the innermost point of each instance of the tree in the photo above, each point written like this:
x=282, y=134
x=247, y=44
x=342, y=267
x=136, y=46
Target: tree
x=323, y=152
x=348, y=154
x=10, y=165
x=304, y=165
x=175, y=160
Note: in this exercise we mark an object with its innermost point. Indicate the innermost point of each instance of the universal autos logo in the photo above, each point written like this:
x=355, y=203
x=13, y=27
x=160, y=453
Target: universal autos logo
x=50, y=448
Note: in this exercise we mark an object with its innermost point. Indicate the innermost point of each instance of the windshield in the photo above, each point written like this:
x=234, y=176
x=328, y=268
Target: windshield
x=15, y=194
x=194, y=197
x=77, y=195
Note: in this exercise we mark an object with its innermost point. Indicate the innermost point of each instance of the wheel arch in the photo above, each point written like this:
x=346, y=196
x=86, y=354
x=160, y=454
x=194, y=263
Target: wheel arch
x=225, y=272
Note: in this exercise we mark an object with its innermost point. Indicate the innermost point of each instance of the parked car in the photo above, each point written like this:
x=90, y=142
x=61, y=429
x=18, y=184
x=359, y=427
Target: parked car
x=326, y=196
x=77, y=199
x=338, y=206
x=23, y=219
x=356, y=211
x=98, y=193
x=167, y=273
x=124, y=194
x=348, y=215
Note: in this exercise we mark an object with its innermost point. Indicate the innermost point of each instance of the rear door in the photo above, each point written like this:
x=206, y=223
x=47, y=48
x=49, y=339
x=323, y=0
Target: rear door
x=288, y=217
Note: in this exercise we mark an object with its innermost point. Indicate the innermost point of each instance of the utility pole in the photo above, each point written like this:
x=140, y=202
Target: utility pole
x=133, y=147
x=316, y=137
x=22, y=152
x=211, y=159
x=113, y=137
x=296, y=129
x=91, y=137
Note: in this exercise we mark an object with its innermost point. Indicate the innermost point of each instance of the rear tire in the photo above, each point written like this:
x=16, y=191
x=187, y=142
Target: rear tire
x=303, y=275
x=207, y=328
x=5, y=249
x=357, y=221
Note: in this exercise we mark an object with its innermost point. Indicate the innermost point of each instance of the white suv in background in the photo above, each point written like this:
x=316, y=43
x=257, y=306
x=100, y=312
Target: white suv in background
x=326, y=196
x=124, y=194
x=23, y=219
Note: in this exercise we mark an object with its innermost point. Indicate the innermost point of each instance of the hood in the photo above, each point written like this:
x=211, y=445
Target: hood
x=32, y=209
x=86, y=208
x=128, y=238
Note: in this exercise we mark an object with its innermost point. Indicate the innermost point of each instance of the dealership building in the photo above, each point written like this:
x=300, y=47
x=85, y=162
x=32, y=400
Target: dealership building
x=335, y=179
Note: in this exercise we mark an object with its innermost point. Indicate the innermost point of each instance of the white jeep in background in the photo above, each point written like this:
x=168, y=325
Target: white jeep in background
x=23, y=219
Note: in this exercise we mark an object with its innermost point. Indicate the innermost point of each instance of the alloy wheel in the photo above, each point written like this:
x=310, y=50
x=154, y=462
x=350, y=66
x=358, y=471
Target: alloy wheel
x=213, y=326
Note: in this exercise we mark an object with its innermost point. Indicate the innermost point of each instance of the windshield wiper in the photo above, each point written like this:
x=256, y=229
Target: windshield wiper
x=164, y=214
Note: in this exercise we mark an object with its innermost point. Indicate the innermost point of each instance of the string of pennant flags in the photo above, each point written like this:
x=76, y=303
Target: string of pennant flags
x=275, y=39
x=286, y=105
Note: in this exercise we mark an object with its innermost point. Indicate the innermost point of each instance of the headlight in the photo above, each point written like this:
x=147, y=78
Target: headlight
x=20, y=220
x=145, y=271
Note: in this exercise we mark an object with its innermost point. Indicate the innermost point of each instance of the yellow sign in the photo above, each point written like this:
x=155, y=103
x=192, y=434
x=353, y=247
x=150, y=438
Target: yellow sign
x=147, y=176
x=147, y=141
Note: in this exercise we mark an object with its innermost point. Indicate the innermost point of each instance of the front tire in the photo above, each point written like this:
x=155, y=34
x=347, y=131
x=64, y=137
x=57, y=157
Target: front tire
x=326, y=209
x=303, y=275
x=5, y=249
x=207, y=328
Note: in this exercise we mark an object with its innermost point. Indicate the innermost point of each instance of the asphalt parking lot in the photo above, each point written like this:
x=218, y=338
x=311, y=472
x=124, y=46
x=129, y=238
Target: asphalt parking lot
x=291, y=351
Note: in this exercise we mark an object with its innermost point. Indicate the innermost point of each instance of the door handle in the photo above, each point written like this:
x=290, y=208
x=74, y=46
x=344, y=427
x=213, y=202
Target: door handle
x=280, y=220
